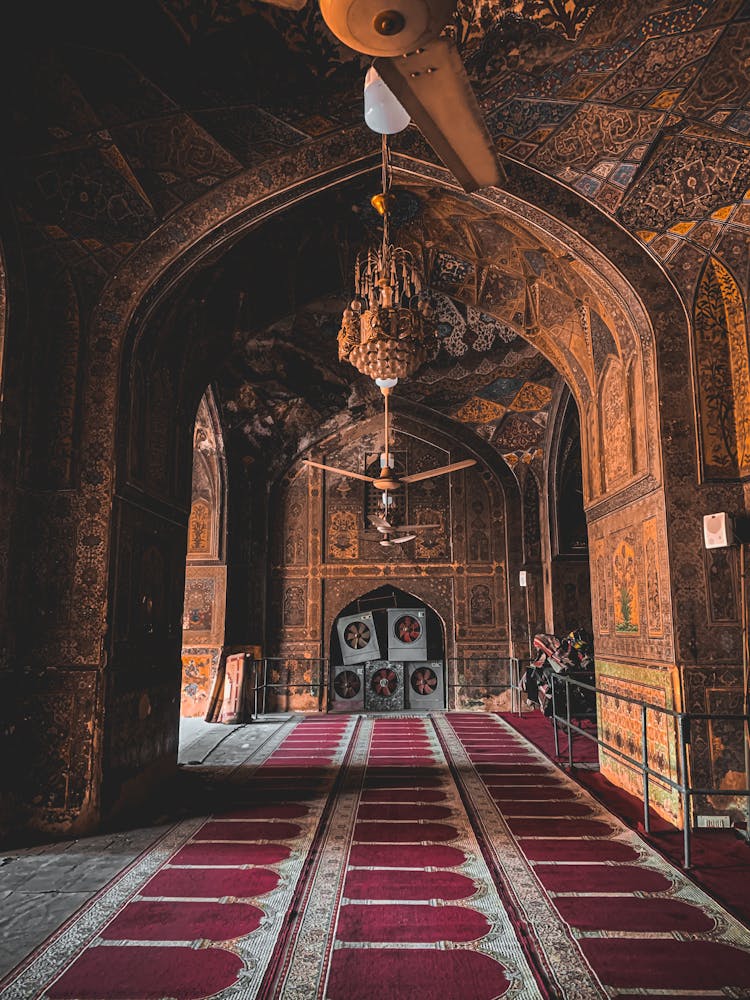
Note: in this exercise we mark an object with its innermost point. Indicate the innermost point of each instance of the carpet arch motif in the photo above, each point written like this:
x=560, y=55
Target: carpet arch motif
x=396, y=858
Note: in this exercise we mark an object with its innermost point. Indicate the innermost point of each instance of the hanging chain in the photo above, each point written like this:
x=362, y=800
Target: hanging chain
x=386, y=183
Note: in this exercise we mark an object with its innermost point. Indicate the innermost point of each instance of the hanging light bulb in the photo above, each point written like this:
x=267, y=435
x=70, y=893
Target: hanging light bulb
x=383, y=113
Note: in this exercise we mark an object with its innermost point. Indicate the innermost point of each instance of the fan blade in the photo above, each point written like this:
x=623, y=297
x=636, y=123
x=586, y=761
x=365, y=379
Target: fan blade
x=287, y=4
x=433, y=87
x=378, y=520
x=439, y=472
x=406, y=538
x=415, y=527
x=341, y=472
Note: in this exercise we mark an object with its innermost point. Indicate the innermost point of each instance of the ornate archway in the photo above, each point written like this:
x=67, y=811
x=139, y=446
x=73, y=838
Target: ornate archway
x=579, y=312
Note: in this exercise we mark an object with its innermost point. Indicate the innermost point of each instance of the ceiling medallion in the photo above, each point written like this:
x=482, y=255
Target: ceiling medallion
x=387, y=331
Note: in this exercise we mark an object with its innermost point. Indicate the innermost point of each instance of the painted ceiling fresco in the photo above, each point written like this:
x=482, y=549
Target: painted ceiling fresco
x=282, y=388
x=122, y=116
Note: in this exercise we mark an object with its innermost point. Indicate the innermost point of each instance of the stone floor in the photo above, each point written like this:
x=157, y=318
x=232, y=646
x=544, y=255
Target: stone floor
x=40, y=887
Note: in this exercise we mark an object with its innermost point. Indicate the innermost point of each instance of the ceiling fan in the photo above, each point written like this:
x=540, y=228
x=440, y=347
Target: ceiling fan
x=424, y=72
x=386, y=530
x=388, y=481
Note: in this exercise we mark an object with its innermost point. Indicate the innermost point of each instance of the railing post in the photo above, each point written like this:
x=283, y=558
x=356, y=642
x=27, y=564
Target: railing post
x=567, y=720
x=644, y=752
x=265, y=682
x=684, y=738
x=255, y=689
x=554, y=715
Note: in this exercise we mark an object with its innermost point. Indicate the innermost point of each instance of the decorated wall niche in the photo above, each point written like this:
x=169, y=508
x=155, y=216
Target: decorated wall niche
x=568, y=576
x=655, y=620
x=616, y=433
x=294, y=607
x=481, y=610
x=290, y=521
x=159, y=441
x=202, y=619
x=152, y=463
x=625, y=588
x=722, y=374
x=630, y=583
x=200, y=528
x=636, y=385
x=722, y=575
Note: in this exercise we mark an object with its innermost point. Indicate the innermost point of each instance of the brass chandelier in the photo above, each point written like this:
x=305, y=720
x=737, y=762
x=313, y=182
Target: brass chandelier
x=387, y=331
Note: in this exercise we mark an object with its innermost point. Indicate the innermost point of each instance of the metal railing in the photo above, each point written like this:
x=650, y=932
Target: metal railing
x=511, y=671
x=262, y=685
x=505, y=668
x=500, y=667
x=683, y=721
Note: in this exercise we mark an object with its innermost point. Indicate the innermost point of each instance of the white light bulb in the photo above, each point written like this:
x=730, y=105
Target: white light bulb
x=383, y=113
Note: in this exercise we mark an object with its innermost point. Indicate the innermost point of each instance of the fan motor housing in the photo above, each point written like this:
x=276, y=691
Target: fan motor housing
x=386, y=27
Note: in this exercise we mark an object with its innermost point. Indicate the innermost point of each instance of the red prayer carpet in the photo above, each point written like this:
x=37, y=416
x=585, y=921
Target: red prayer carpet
x=439, y=857
x=720, y=858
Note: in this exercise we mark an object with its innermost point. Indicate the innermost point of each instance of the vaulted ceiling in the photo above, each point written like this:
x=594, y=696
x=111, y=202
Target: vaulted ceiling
x=121, y=115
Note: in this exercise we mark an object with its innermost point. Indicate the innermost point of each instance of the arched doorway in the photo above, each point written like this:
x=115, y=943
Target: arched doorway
x=387, y=654
x=205, y=571
x=148, y=501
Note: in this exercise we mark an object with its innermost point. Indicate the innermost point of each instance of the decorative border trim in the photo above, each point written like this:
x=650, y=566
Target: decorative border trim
x=564, y=961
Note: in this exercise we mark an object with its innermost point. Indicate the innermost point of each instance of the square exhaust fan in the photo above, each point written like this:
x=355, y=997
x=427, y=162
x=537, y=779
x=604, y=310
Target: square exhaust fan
x=348, y=688
x=359, y=641
x=425, y=685
x=407, y=634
